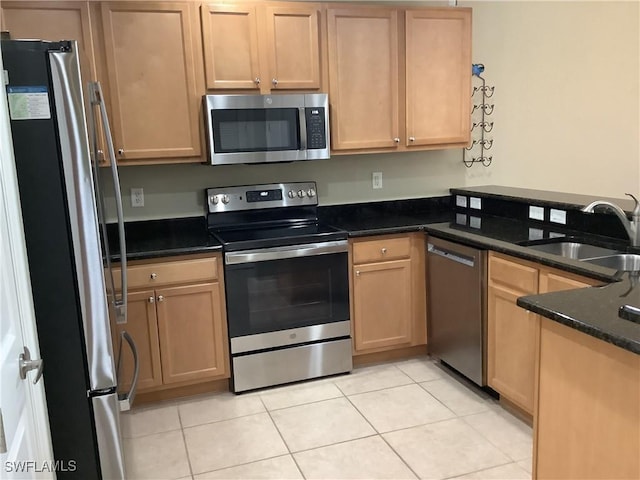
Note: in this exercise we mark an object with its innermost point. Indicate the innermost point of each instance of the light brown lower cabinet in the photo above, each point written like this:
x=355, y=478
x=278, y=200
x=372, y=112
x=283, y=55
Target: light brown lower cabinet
x=388, y=292
x=587, y=421
x=179, y=326
x=512, y=332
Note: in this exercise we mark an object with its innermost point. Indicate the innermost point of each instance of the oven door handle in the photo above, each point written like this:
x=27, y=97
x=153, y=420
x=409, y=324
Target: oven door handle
x=291, y=251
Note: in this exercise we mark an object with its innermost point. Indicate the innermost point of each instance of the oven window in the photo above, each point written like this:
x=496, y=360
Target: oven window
x=255, y=130
x=282, y=294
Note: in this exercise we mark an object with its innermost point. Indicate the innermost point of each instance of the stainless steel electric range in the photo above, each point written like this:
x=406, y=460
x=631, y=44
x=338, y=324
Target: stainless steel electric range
x=286, y=281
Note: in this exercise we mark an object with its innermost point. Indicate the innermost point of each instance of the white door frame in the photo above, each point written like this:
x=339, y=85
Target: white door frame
x=10, y=213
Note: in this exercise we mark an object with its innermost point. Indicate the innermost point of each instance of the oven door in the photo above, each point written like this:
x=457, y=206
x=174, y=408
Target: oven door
x=287, y=295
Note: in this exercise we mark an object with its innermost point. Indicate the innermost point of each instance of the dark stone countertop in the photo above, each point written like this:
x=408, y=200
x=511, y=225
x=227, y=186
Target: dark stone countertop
x=382, y=218
x=163, y=238
x=593, y=311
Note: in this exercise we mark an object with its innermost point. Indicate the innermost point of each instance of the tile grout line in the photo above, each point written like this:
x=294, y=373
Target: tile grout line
x=484, y=470
x=184, y=439
x=382, y=438
x=282, y=438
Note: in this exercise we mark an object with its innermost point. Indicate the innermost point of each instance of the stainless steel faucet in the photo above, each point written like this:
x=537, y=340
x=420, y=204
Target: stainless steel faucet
x=631, y=226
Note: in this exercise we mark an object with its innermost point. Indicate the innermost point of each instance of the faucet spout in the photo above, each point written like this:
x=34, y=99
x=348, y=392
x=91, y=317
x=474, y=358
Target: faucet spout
x=632, y=226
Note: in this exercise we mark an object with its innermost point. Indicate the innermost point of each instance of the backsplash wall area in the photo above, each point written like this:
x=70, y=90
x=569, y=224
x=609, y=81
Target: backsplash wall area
x=567, y=118
x=178, y=190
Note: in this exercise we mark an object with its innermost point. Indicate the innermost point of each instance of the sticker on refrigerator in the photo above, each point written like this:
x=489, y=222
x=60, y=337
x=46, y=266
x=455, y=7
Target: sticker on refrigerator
x=28, y=103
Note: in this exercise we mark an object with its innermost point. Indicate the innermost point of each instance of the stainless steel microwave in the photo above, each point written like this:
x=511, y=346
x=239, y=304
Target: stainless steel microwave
x=266, y=128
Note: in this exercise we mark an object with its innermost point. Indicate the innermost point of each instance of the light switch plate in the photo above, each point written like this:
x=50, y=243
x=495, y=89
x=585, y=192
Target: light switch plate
x=558, y=216
x=536, y=213
x=376, y=180
x=475, y=203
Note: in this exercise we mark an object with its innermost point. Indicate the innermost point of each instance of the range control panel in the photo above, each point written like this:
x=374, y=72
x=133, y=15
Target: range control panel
x=253, y=197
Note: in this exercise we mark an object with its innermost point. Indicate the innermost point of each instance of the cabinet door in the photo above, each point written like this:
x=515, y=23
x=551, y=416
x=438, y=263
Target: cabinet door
x=382, y=305
x=293, y=47
x=230, y=41
x=52, y=21
x=56, y=21
x=153, y=84
x=551, y=281
x=512, y=335
x=438, y=65
x=192, y=332
x=142, y=325
x=363, y=78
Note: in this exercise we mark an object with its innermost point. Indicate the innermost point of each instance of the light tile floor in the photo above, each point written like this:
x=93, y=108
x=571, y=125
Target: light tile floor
x=406, y=419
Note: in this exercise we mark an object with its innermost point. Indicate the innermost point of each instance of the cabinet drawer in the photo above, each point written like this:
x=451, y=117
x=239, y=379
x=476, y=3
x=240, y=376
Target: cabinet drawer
x=389, y=248
x=155, y=274
x=512, y=274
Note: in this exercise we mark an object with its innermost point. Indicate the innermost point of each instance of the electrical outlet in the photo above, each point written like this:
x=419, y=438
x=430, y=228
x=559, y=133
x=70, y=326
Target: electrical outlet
x=137, y=197
x=376, y=180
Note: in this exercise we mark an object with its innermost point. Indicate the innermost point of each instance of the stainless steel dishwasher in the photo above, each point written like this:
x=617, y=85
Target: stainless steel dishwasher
x=456, y=306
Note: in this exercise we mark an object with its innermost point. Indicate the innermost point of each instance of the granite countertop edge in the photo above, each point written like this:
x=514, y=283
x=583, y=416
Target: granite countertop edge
x=626, y=343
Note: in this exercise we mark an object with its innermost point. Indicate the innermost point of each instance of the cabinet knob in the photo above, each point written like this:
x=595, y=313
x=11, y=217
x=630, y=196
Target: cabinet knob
x=256, y=80
x=383, y=250
x=100, y=156
x=153, y=276
x=121, y=151
x=275, y=82
x=357, y=273
x=152, y=300
x=160, y=298
x=412, y=139
x=396, y=139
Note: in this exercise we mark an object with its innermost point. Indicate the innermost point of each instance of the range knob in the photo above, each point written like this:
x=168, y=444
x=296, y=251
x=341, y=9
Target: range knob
x=311, y=192
x=225, y=199
x=213, y=199
x=292, y=194
x=302, y=193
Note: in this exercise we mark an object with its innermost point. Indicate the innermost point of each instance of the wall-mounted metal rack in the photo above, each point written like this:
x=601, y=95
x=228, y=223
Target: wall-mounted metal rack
x=481, y=112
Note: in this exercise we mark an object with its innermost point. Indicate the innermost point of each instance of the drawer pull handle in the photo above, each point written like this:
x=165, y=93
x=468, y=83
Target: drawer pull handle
x=160, y=298
x=384, y=250
x=153, y=276
x=152, y=300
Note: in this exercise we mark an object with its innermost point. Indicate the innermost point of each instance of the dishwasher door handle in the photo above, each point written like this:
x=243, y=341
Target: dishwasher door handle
x=455, y=257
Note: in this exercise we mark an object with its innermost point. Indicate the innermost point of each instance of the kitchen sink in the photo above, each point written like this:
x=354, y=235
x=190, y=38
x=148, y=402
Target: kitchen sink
x=626, y=262
x=575, y=250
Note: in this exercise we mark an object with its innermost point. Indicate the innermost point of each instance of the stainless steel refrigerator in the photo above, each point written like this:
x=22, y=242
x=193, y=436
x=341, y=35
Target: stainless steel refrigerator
x=60, y=199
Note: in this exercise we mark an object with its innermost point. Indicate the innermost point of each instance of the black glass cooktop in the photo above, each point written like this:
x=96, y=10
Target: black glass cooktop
x=266, y=237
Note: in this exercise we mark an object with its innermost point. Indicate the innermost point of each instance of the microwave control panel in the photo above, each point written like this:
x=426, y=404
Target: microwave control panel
x=316, y=135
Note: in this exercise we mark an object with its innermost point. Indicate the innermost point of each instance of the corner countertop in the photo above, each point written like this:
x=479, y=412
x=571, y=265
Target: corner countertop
x=593, y=311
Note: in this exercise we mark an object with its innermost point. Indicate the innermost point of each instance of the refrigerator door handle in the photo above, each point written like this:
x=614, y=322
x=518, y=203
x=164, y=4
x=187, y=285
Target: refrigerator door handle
x=126, y=399
x=97, y=100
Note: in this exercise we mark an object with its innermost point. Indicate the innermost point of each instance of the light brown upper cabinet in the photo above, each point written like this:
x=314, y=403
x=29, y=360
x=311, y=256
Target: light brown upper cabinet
x=363, y=78
x=399, y=79
x=56, y=21
x=261, y=47
x=52, y=21
x=438, y=83
x=154, y=73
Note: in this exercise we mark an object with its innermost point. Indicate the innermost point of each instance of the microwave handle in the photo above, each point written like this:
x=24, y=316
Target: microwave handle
x=303, y=127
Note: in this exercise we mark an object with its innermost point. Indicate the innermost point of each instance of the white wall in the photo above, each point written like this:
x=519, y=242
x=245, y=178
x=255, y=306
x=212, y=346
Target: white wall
x=567, y=118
